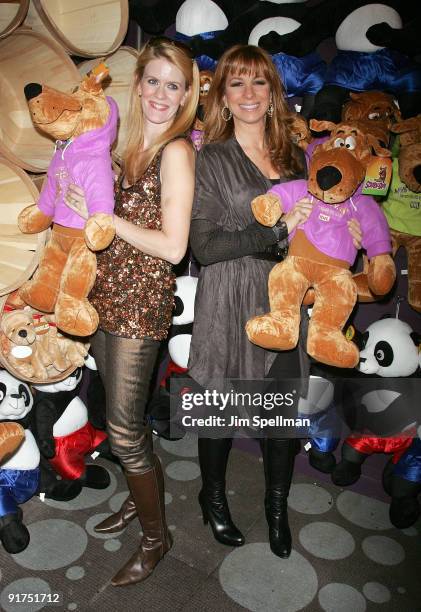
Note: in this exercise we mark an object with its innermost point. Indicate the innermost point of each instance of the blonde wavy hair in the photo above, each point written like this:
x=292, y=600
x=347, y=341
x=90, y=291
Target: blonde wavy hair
x=251, y=60
x=137, y=161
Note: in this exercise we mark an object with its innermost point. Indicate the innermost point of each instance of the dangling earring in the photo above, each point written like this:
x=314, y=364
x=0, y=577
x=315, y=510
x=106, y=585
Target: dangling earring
x=226, y=117
x=269, y=111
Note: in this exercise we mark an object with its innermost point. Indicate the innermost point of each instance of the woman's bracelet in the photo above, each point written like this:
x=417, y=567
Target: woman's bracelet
x=281, y=230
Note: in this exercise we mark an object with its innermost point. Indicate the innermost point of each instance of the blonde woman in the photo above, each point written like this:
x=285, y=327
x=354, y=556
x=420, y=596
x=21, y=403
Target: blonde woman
x=134, y=287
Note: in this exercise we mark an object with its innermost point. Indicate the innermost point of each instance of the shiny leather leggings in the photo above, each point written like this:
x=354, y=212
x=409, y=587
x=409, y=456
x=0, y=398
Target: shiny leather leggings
x=126, y=366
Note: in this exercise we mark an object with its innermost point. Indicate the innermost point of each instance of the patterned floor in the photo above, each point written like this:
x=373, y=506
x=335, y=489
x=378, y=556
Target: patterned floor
x=346, y=555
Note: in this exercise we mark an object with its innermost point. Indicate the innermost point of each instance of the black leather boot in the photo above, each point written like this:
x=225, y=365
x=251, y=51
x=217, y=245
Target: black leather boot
x=213, y=459
x=278, y=461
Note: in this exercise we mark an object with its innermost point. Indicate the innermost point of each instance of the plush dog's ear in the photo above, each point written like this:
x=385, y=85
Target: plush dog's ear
x=409, y=125
x=379, y=150
x=92, y=81
x=320, y=126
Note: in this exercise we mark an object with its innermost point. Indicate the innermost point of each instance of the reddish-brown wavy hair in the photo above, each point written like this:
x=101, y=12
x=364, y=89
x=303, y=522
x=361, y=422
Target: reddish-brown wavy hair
x=251, y=60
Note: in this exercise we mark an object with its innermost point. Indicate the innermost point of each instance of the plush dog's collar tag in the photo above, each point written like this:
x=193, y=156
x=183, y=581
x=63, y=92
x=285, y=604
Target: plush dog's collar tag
x=378, y=176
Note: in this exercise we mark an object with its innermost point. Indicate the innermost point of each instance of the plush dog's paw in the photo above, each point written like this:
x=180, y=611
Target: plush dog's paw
x=32, y=220
x=267, y=209
x=99, y=231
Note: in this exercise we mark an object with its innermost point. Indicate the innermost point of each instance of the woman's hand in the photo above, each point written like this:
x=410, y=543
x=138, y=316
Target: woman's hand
x=75, y=199
x=354, y=229
x=298, y=214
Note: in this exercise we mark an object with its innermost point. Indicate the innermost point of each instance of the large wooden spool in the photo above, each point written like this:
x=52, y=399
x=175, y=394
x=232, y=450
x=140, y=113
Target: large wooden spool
x=121, y=65
x=86, y=28
x=19, y=253
x=12, y=13
x=25, y=57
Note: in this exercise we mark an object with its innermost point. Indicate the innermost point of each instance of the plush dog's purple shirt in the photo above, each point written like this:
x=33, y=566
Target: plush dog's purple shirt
x=86, y=162
x=327, y=229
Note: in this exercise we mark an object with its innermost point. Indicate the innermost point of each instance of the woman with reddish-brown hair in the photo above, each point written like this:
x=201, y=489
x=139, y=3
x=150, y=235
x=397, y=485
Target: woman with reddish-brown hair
x=248, y=148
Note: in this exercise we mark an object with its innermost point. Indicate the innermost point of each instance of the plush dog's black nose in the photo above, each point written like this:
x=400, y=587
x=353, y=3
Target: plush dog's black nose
x=363, y=359
x=32, y=90
x=417, y=173
x=22, y=333
x=328, y=177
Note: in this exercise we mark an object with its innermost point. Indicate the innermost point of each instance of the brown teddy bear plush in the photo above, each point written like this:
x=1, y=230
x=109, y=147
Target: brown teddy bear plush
x=84, y=124
x=20, y=347
x=321, y=250
x=402, y=206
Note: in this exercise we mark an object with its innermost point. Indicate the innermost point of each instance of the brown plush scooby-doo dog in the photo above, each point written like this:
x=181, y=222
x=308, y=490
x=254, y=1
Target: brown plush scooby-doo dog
x=402, y=206
x=375, y=109
x=85, y=124
x=410, y=152
x=321, y=250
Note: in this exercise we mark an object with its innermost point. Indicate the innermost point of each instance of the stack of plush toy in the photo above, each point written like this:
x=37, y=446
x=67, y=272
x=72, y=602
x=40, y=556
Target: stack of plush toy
x=46, y=323
x=46, y=430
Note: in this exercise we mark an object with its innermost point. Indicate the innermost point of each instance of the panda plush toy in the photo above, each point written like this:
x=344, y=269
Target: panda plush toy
x=65, y=435
x=20, y=475
x=402, y=481
x=363, y=61
x=383, y=406
x=159, y=408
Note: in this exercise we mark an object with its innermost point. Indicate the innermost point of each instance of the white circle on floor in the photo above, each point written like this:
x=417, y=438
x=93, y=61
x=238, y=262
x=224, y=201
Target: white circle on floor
x=376, y=592
x=364, y=511
x=168, y=498
x=55, y=543
x=327, y=540
x=87, y=498
x=24, y=585
x=309, y=499
x=183, y=470
x=383, y=550
x=258, y=580
x=112, y=545
x=186, y=447
x=337, y=596
x=75, y=573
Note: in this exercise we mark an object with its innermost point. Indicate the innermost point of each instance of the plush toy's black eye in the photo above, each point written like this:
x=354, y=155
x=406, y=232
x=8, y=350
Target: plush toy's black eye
x=23, y=392
x=2, y=391
x=178, y=306
x=383, y=353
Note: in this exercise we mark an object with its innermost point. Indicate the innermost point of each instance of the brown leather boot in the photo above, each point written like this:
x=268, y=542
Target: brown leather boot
x=147, y=491
x=120, y=519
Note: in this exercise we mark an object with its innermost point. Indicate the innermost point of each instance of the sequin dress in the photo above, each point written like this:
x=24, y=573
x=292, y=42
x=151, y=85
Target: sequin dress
x=134, y=292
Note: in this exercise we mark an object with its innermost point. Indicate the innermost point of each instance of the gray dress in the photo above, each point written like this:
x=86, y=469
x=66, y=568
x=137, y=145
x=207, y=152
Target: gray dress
x=229, y=292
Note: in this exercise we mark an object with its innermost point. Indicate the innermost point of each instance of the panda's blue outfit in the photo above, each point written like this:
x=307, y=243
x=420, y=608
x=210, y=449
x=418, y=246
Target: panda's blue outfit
x=300, y=75
x=385, y=70
x=16, y=487
x=409, y=465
